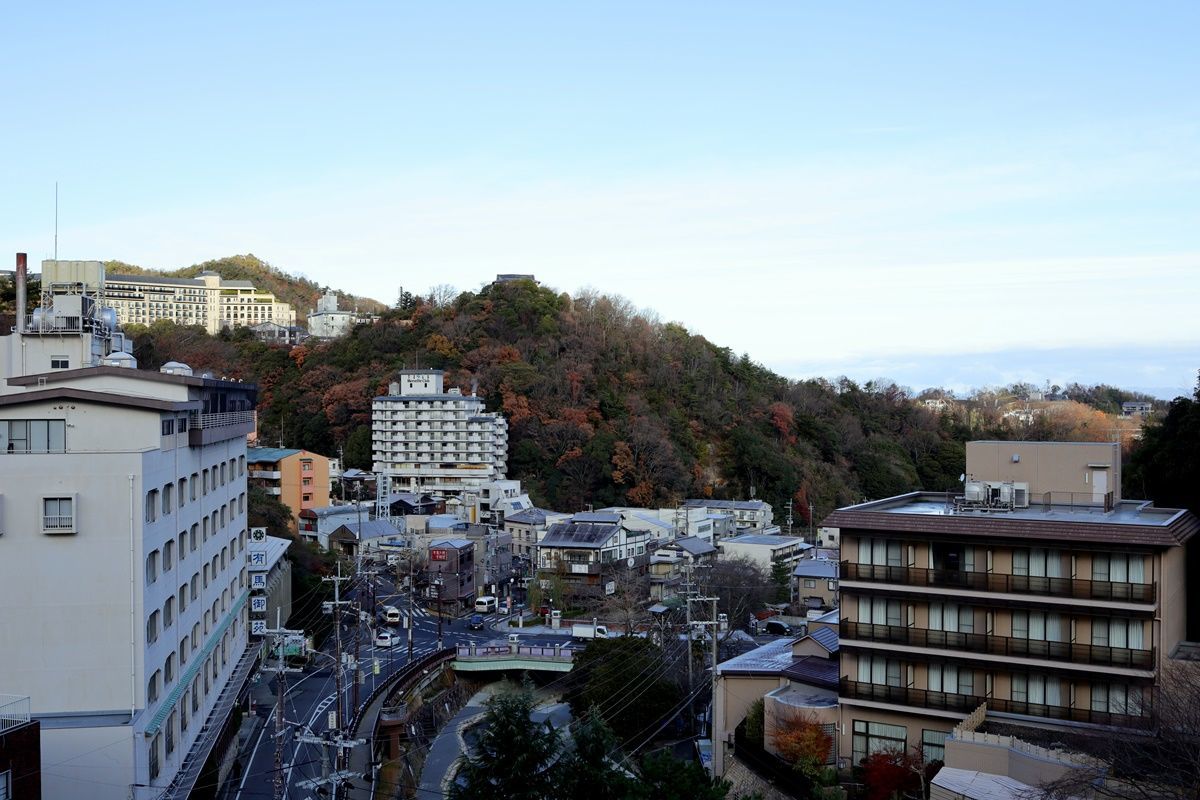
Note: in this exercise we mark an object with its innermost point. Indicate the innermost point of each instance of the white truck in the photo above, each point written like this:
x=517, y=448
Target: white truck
x=584, y=632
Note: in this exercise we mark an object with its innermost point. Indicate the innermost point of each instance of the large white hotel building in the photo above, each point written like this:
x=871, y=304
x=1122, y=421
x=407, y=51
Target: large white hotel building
x=433, y=441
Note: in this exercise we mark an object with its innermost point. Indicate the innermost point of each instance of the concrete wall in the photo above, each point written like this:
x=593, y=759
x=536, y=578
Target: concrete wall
x=92, y=763
x=734, y=696
x=1047, y=466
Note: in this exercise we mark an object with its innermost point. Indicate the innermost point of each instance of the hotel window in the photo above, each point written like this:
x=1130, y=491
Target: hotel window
x=879, y=611
x=1117, y=698
x=60, y=362
x=1038, y=563
x=168, y=555
x=878, y=670
x=877, y=737
x=949, y=678
x=1118, y=632
x=1038, y=625
x=1036, y=689
x=152, y=567
x=879, y=552
x=933, y=745
x=951, y=617
x=1119, y=568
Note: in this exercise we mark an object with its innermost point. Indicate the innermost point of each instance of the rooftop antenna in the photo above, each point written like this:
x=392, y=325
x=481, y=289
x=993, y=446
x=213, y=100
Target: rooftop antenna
x=56, y=220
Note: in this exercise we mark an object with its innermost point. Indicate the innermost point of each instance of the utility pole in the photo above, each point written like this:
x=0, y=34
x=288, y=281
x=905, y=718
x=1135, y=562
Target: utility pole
x=412, y=608
x=715, y=625
x=278, y=634
x=688, y=590
x=439, y=585
x=338, y=602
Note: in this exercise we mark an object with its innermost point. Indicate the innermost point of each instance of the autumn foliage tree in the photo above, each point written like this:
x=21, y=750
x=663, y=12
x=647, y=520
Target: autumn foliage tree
x=888, y=774
x=801, y=740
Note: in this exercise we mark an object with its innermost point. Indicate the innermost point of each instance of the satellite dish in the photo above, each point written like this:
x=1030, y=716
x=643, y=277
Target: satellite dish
x=962, y=477
x=631, y=562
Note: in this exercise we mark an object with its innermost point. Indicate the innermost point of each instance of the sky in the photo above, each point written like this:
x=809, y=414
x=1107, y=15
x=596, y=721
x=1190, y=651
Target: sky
x=942, y=194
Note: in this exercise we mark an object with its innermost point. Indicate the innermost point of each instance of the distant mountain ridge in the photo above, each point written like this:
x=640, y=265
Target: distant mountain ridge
x=300, y=292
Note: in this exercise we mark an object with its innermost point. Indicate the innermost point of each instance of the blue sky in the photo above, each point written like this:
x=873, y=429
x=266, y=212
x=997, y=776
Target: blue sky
x=941, y=193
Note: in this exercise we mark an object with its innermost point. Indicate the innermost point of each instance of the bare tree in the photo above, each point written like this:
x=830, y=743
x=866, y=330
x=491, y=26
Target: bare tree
x=741, y=585
x=627, y=605
x=442, y=295
x=1162, y=764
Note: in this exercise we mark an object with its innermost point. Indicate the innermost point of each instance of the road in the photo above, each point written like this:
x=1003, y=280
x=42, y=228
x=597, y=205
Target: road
x=311, y=696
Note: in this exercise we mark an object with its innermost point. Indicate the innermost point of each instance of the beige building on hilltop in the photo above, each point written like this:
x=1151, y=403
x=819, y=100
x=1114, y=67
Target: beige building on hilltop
x=208, y=300
x=1038, y=592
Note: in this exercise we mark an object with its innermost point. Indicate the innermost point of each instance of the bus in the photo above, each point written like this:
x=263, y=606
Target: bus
x=391, y=615
x=485, y=605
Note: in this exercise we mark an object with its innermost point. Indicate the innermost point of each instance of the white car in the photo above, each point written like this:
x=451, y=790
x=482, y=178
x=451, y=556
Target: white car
x=386, y=639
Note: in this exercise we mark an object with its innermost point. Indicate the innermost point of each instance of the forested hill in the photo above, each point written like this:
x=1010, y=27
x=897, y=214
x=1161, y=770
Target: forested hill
x=300, y=292
x=605, y=406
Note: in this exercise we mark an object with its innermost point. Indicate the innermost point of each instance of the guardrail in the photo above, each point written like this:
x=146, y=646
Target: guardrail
x=203, y=421
x=406, y=674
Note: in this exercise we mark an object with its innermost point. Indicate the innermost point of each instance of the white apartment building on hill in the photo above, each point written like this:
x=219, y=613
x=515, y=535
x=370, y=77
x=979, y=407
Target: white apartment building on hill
x=208, y=300
x=431, y=441
x=123, y=581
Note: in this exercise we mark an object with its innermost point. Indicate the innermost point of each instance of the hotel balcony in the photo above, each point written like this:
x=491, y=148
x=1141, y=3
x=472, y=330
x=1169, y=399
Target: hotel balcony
x=14, y=711
x=208, y=428
x=1076, y=588
x=966, y=703
x=998, y=646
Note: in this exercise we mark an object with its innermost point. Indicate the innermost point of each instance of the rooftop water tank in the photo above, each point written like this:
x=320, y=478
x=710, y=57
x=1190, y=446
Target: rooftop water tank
x=175, y=368
x=119, y=359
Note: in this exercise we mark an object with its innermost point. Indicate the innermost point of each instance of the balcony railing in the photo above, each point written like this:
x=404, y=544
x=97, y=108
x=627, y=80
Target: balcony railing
x=1005, y=646
x=58, y=522
x=966, y=703
x=14, y=710
x=204, y=421
x=993, y=582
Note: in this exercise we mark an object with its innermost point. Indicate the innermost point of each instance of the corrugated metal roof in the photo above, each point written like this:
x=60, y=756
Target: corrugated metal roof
x=767, y=539
x=739, y=505
x=770, y=659
x=816, y=568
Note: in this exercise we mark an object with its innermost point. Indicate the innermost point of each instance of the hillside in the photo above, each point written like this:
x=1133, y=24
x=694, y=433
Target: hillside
x=606, y=406
x=302, y=293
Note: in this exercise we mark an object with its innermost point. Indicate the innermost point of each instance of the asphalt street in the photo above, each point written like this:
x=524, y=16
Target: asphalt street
x=311, y=695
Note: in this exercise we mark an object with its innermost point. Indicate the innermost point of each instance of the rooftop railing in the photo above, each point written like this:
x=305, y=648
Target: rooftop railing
x=14, y=711
x=196, y=420
x=992, y=582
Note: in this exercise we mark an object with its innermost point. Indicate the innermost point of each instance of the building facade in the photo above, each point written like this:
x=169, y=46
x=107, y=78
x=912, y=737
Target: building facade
x=328, y=321
x=430, y=441
x=1048, y=599
x=452, y=573
x=123, y=507
x=766, y=550
x=299, y=478
x=206, y=300
x=754, y=515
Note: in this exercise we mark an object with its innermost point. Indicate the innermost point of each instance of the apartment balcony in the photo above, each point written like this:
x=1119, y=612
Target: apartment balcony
x=966, y=703
x=272, y=475
x=998, y=646
x=1075, y=588
x=208, y=428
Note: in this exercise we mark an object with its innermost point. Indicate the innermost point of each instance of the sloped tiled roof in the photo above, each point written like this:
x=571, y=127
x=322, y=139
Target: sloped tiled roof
x=593, y=535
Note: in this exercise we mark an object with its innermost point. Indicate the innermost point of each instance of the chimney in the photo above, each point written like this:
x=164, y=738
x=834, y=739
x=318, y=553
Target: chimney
x=22, y=277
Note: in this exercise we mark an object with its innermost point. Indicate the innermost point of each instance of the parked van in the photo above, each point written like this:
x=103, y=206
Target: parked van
x=777, y=628
x=391, y=615
x=485, y=605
